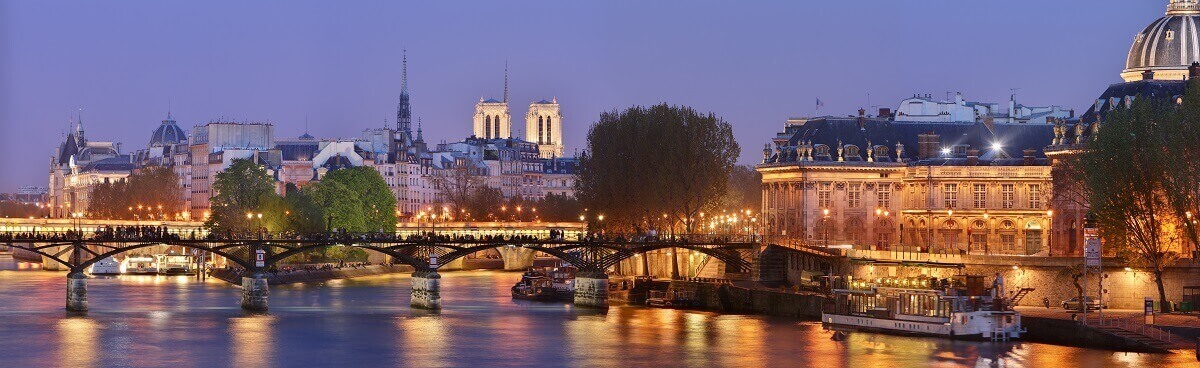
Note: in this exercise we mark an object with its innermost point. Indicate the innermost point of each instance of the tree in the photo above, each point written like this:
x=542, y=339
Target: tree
x=239, y=190
x=1076, y=273
x=483, y=201
x=657, y=166
x=1181, y=174
x=559, y=208
x=378, y=203
x=340, y=203
x=305, y=215
x=457, y=185
x=1124, y=169
x=152, y=192
x=745, y=188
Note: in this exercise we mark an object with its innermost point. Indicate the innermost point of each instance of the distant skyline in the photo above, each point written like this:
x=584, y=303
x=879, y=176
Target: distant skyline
x=336, y=65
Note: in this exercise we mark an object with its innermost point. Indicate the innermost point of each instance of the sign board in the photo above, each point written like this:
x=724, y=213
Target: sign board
x=1091, y=248
x=260, y=258
x=1149, y=306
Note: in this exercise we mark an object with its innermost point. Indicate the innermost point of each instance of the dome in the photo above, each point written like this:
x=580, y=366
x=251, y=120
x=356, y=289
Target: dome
x=1168, y=45
x=167, y=134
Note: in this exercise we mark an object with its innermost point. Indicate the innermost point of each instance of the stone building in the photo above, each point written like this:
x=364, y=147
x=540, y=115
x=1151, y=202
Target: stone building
x=855, y=182
x=78, y=164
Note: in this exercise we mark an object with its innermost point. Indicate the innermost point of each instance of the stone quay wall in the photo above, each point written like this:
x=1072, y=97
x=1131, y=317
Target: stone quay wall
x=1126, y=289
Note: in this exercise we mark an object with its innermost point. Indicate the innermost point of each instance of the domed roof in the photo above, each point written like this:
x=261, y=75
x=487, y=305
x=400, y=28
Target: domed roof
x=1168, y=45
x=167, y=134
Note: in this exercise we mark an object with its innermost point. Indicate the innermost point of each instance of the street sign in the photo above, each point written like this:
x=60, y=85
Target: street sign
x=1091, y=248
x=260, y=257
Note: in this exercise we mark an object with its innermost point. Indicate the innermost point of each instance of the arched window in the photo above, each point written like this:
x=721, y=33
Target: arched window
x=541, y=131
x=549, y=131
x=487, y=126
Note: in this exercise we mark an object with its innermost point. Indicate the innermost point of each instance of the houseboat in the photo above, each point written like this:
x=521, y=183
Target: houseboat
x=140, y=265
x=546, y=285
x=959, y=308
x=106, y=267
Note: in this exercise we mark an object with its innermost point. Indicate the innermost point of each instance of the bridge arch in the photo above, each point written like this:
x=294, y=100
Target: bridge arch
x=118, y=250
x=724, y=254
x=391, y=251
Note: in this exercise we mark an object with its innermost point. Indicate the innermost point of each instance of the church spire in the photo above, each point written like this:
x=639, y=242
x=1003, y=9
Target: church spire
x=506, y=81
x=420, y=137
x=404, y=109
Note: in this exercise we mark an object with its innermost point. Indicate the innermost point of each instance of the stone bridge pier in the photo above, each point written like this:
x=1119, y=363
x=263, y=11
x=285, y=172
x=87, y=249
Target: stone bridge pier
x=77, y=292
x=516, y=258
x=426, y=290
x=591, y=289
x=254, y=293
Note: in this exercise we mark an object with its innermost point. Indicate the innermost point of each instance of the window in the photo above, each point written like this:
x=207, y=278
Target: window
x=1035, y=196
x=1009, y=242
x=854, y=196
x=950, y=195
x=979, y=195
x=824, y=195
x=883, y=194
x=1007, y=192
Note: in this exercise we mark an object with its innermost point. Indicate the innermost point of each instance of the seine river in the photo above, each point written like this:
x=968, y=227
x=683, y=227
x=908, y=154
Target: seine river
x=158, y=321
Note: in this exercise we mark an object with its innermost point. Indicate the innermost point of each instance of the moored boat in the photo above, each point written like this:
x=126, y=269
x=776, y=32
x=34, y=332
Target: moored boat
x=959, y=308
x=140, y=265
x=170, y=264
x=546, y=285
x=105, y=267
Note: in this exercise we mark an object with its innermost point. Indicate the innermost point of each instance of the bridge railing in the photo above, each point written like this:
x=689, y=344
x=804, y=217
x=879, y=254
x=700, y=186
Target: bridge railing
x=157, y=233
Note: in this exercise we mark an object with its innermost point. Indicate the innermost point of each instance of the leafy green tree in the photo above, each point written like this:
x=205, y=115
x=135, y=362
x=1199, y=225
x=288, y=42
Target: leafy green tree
x=339, y=202
x=239, y=190
x=657, y=166
x=304, y=214
x=378, y=203
x=1125, y=171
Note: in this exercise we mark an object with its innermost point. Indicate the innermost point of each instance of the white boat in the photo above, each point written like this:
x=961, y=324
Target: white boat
x=960, y=308
x=170, y=264
x=140, y=265
x=107, y=266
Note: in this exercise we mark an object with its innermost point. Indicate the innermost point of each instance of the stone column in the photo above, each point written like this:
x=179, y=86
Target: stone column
x=254, y=293
x=516, y=258
x=591, y=289
x=426, y=290
x=77, y=292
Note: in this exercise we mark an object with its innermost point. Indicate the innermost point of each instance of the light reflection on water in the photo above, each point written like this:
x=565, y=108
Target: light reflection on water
x=180, y=322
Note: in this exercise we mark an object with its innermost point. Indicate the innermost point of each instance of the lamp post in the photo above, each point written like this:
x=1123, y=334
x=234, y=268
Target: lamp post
x=825, y=225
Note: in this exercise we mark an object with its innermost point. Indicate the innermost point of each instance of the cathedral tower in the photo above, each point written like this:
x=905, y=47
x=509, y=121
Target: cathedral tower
x=492, y=120
x=543, y=125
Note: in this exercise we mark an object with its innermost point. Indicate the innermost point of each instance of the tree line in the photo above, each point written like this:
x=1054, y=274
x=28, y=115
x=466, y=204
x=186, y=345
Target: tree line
x=148, y=193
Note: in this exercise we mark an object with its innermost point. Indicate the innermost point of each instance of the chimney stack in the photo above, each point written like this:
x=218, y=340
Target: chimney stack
x=1194, y=70
x=1029, y=158
x=885, y=113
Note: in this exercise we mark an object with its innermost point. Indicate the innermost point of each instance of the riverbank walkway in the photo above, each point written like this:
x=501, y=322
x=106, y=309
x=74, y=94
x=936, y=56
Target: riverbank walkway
x=1169, y=331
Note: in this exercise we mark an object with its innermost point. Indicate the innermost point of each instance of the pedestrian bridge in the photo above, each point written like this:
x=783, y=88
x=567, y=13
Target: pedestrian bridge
x=257, y=253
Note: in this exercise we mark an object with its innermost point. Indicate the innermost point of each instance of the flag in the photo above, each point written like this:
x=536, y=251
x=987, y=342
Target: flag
x=820, y=103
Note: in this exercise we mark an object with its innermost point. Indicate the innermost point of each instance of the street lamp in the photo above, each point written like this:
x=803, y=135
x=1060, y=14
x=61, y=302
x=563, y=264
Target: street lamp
x=825, y=225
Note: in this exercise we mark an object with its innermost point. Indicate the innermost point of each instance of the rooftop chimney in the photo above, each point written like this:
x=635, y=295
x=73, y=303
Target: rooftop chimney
x=1149, y=74
x=885, y=112
x=1029, y=158
x=972, y=156
x=1194, y=70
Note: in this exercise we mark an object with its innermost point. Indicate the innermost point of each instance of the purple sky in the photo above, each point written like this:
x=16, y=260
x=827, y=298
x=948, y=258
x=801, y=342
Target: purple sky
x=338, y=63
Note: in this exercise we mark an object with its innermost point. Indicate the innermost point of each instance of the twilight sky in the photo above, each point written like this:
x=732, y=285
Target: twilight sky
x=337, y=64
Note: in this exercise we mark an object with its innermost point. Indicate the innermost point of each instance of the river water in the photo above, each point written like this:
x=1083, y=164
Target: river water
x=159, y=321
